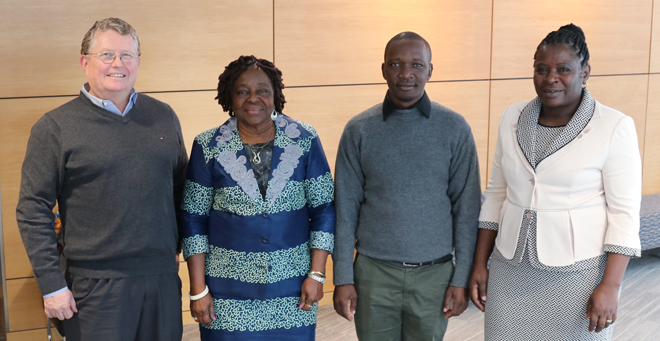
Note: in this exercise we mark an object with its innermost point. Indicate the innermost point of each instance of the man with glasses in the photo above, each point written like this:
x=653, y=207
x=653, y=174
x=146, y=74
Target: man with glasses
x=113, y=161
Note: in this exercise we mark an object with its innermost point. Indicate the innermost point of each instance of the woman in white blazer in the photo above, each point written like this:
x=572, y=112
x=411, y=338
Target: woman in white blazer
x=561, y=211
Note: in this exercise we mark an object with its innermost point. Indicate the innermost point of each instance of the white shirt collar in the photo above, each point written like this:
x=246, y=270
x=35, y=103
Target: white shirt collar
x=107, y=104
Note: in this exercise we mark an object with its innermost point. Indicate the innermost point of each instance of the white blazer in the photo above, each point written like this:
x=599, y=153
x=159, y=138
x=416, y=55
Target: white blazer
x=587, y=194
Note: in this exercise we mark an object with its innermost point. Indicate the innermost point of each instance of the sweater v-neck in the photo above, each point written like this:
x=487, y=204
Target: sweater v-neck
x=109, y=114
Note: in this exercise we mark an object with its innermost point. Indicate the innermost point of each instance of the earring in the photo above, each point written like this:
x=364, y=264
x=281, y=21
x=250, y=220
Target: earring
x=273, y=115
x=584, y=85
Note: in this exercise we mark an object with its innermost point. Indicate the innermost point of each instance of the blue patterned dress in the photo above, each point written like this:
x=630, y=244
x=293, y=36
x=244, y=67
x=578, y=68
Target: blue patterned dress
x=258, y=249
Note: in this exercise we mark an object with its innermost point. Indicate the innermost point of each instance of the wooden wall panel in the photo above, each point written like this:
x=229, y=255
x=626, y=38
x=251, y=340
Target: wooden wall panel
x=25, y=305
x=328, y=287
x=618, y=33
x=651, y=172
x=187, y=318
x=343, y=41
x=17, y=117
x=654, y=64
x=185, y=45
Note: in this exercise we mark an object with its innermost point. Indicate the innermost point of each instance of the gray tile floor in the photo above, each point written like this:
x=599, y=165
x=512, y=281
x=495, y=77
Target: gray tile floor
x=638, y=317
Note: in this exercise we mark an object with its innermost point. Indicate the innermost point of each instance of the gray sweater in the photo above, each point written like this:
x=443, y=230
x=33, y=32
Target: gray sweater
x=115, y=179
x=407, y=188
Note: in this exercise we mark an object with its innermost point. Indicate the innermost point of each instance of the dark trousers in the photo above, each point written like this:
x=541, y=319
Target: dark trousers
x=142, y=308
x=396, y=302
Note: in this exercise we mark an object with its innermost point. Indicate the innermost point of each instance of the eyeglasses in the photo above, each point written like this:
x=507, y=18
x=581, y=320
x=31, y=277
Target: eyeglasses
x=109, y=56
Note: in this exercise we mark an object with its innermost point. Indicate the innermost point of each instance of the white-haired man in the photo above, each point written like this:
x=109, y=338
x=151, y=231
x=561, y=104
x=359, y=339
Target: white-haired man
x=114, y=163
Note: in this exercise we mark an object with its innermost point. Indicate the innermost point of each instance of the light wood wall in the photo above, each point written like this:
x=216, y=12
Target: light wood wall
x=330, y=53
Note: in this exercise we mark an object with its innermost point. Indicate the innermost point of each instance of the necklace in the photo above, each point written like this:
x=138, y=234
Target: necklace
x=256, y=155
x=256, y=158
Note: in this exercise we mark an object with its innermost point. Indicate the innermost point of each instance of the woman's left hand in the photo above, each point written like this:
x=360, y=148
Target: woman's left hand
x=312, y=292
x=602, y=306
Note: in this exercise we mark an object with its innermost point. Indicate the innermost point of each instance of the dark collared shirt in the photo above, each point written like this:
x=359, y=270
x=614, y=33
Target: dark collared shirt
x=424, y=105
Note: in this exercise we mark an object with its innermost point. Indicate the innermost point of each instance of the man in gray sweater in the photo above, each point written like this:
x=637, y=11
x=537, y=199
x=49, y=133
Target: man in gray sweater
x=114, y=163
x=408, y=190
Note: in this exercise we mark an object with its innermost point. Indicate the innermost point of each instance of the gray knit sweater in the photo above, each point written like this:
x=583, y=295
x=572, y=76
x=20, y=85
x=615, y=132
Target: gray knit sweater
x=115, y=179
x=407, y=188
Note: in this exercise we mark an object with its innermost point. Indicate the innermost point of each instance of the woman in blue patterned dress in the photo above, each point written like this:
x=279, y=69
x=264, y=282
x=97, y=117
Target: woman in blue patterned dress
x=258, y=215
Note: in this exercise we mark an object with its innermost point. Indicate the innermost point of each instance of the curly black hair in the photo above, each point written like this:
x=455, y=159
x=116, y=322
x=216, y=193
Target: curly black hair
x=236, y=68
x=572, y=36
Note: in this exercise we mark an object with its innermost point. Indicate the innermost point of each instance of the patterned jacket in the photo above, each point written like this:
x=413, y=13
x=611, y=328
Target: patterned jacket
x=258, y=250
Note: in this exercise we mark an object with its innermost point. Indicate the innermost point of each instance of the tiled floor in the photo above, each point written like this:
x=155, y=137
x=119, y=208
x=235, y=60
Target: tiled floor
x=638, y=316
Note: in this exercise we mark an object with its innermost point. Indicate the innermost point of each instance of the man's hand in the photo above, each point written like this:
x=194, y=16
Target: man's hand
x=61, y=306
x=459, y=296
x=345, y=300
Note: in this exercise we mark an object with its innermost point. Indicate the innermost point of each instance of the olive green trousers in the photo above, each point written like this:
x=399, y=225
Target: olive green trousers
x=397, y=302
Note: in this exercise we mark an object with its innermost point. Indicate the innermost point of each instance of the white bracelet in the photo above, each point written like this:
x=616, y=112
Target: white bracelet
x=316, y=278
x=200, y=295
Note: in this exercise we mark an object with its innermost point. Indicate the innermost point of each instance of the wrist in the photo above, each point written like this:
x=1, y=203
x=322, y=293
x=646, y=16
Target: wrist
x=200, y=295
x=317, y=276
x=197, y=286
x=480, y=264
x=610, y=284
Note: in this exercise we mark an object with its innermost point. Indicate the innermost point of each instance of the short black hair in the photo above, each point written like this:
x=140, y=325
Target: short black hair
x=236, y=68
x=408, y=36
x=572, y=36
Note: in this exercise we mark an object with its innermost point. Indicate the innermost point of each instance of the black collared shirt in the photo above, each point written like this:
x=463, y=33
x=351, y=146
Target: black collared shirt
x=424, y=105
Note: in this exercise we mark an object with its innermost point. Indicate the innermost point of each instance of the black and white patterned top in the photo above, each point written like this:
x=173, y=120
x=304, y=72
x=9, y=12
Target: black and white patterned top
x=262, y=169
x=537, y=143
